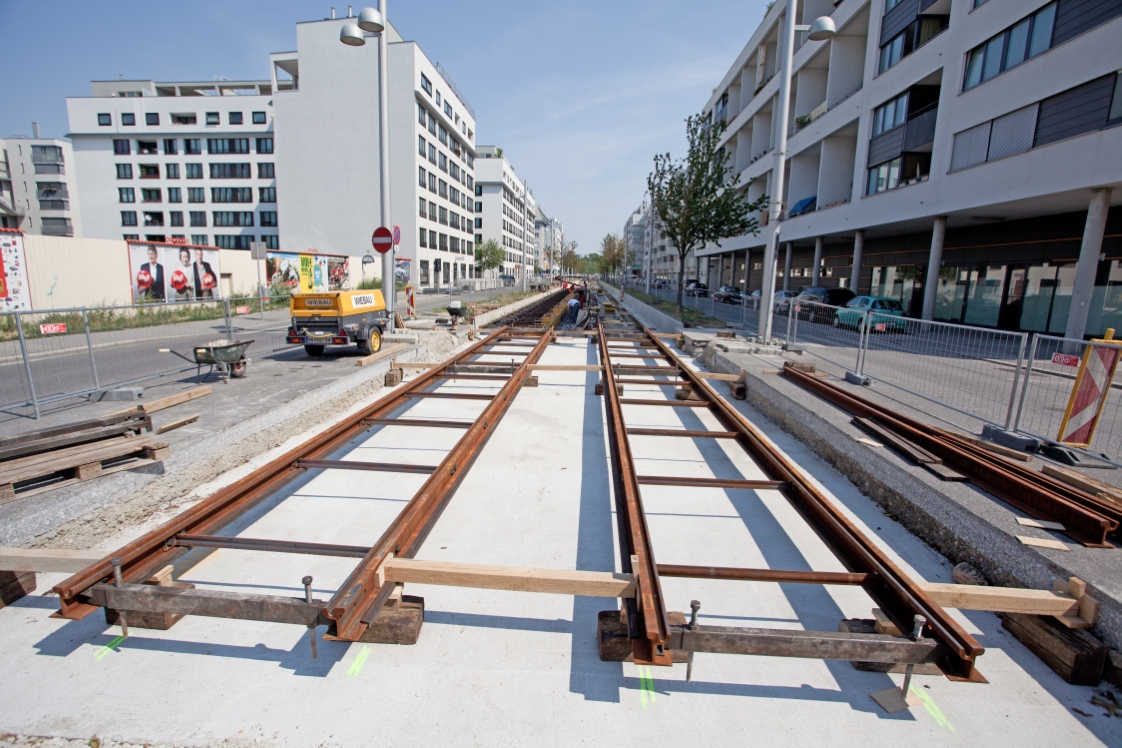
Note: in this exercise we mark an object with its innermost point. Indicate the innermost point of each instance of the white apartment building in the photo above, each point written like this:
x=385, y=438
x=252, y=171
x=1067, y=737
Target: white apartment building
x=548, y=235
x=328, y=153
x=38, y=194
x=503, y=211
x=177, y=160
x=635, y=241
x=958, y=155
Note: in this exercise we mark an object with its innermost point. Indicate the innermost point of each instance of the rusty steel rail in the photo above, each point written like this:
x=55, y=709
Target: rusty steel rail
x=895, y=593
x=1086, y=518
x=360, y=599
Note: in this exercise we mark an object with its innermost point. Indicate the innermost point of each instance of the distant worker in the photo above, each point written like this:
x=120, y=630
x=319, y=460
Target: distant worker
x=574, y=310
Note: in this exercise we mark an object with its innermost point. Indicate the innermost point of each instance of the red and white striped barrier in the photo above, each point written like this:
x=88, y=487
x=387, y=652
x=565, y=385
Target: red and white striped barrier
x=1088, y=395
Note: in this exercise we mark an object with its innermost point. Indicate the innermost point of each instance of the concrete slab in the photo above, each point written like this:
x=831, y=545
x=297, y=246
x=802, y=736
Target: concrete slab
x=505, y=668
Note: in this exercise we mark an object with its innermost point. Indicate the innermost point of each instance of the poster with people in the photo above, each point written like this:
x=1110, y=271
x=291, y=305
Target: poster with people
x=169, y=273
x=15, y=292
x=290, y=272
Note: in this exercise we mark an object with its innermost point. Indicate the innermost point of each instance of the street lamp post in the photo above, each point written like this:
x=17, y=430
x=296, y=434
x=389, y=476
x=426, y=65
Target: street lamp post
x=822, y=29
x=373, y=20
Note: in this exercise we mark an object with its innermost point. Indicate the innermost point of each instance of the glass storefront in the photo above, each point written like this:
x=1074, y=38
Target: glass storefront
x=895, y=282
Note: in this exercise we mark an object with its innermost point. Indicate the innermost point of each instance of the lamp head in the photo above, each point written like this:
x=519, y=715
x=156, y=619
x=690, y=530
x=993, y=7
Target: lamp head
x=371, y=20
x=822, y=29
x=351, y=34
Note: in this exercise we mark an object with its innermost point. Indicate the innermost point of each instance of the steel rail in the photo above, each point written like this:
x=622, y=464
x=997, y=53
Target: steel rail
x=895, y=593
x=648, y=624
x=1085, y=518
x=146, y=555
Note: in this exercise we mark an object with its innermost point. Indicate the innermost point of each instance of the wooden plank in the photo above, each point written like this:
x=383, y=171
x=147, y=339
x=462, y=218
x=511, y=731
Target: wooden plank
x=908, y=449
x=1015, y=454
x=1082, y=482
x=1001, y=599
x=1042, y=524
x=564, y=367
x=27, y=468
x=751, y=485
x=693, y=434
x=421, y=422
x=516, y=578
x=176, y=424
x=367, y=360
x=169, y=401
x=54, y=485
x=47, y=559
x=378, y=467
x=718, y=376
x=671, y=403
x=943, y=472
x=1074, y=655
x=395, y=364
x=215, y=603
x=66, y=428
x=1042, y=543
x=61, y=441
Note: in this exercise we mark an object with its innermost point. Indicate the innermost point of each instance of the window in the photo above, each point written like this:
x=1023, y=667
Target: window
x=448, y=108
x=432, y=124
x=443, y=191
x=175, y=195
x=258, y=118
x=104, y=120
x=171, y=171
x=884, y=177
x=147, y=147
x=154, y=219
x=432, y=182
x=444, y=216
x=264, y=145
x=126, y=237
x=454, y=219
x=424, y=235
x=152, y=118
x=266, y=171
x=426, y=84
x=442, y=162
x=227, y=145
x=212, y=118
x=454, y=171
x=231, y=194
x=432, y=208
x=444, y=242
x=176, y=217
x=128, y=118
x=128, y=217
x=235, y=118
x=432, y=240
x=235, y=241
x=272, y=241
x=121, y=147
x=478, y=223
x=891, y=53
x=151, y=196
x=126, y=195
x=124, y=171
x=890, y=115
x=421, y=175
x=432, y=153
x=196, y=195
x=442, y=134
x=232, y=218
x=1024, y=40
x=438, y=98
x=455, y=244
x=454, y=195
x=184, y=119
x=149, y=171
x=268, y=194
x=421, y=146
x=421, y=117
x=198, y=218
x=170, y=147
x=194, y=171
x=193, y=146
x=470, y=162
x=421, y=210
x=890, y=4
x=229, y=171
x=198, y=239
x=268, y=218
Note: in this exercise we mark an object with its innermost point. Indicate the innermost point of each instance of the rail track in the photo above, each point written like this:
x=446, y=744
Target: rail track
x=653, y=636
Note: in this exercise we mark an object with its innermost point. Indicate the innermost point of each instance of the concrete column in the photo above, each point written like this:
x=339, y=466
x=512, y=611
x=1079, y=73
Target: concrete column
x=816, y=273
x=934, y=262
x=747, y=269
x=1087, y=267
x=787, y=266
x=858, y=248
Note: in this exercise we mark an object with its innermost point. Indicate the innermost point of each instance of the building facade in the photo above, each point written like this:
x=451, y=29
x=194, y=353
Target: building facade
x=947, y=153
x=634, y=238
x=38, y=186
x=185, y=160
x=504, y=211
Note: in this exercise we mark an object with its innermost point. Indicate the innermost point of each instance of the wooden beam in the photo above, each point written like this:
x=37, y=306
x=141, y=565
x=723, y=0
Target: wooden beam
x=1084, y=483
x=176, y=424
x=176, y=399
x=717, y=376
x=395, y=364
x=516, y=578
x=566, y=367
x=367, y=360
x=47, y=559
x=1002, y=599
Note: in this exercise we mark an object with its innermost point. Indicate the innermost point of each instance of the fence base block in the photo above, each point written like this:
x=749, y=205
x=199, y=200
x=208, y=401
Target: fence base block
x=860, y=379
x=1010, y=439
x=1071, y=457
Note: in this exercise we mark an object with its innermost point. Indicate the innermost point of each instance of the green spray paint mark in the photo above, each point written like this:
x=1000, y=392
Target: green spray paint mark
x=934, y=711
x=646, y=686
x=99, y=654
x=356, y=666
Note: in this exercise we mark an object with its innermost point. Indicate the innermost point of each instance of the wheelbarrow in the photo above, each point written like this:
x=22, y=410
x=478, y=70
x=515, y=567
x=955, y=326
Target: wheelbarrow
x=228, y=356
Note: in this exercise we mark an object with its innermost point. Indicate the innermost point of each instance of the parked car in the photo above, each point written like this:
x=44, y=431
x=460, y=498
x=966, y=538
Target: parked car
x=659, y=283
x=693, y=288
x=888, y=314
x=728, y=295
x=782, y=301
x=836, y=297
x=508, y=280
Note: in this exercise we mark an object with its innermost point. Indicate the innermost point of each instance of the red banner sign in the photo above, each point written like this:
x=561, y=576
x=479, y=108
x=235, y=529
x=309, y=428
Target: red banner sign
x=53, y=328
x=1063, y=359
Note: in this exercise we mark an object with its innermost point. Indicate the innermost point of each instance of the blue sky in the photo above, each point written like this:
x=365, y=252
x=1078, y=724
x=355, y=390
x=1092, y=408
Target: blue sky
x=580, y=95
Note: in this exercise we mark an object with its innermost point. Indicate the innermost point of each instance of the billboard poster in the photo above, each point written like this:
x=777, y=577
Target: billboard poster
x=291, y=272
x=163, y=273
x=15, y=292
x=401, y=269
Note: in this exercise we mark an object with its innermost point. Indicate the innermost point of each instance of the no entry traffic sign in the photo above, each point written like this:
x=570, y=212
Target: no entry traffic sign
x=382, y=239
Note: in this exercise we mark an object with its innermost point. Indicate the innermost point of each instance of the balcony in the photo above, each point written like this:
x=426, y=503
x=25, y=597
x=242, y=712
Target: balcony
x=46, y=154
x=54, y=205
x=47, y=169
x=57, y=227
x=919, y=130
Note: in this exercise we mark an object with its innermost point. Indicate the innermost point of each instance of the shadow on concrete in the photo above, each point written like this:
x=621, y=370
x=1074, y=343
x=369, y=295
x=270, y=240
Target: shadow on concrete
x=479, y=620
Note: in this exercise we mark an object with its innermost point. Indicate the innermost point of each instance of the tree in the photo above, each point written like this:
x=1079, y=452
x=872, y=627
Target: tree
x=489, y=255
x=698, y=199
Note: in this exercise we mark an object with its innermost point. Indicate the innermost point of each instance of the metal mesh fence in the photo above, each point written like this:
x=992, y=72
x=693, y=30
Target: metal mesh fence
x=830, y=333
x=1050, y=376
x=972, y=370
